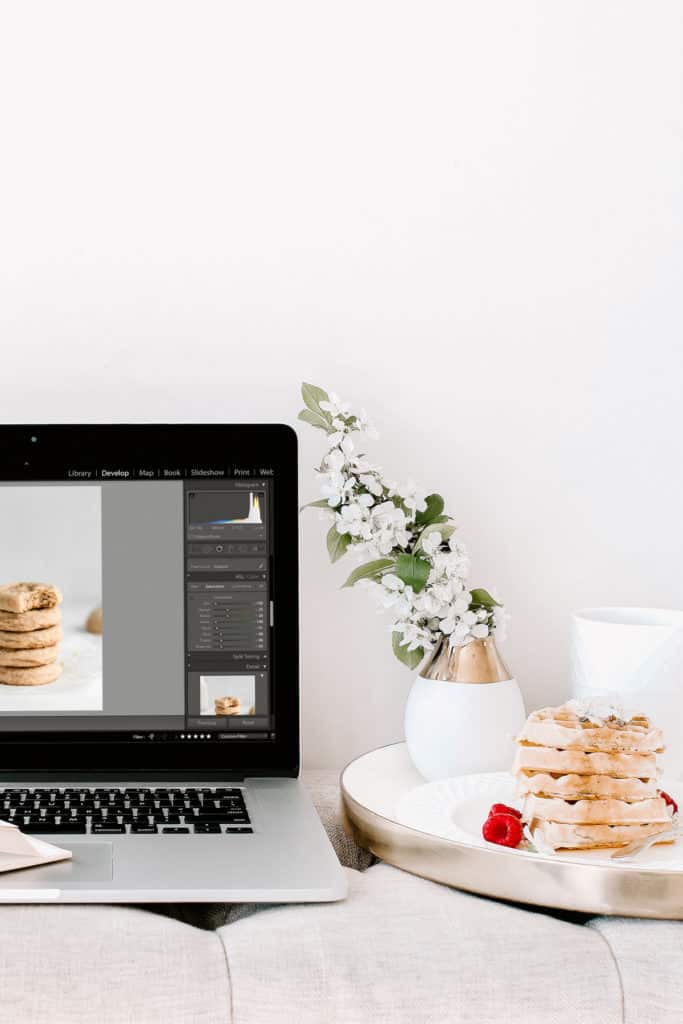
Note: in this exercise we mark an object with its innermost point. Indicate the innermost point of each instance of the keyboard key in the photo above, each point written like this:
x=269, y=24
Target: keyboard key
x=206, y=828
x=176, y=830
x=101, y=829
x=144, y=830
x=46, y=827
x=238, y=831
x=222, y=815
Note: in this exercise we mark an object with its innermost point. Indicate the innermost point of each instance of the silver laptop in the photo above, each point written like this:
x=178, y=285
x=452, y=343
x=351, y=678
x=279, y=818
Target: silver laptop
x=149, y=685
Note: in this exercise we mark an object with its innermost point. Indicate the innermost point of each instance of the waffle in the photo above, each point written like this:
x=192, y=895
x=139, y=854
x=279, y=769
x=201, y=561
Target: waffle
x=566, y=729
x=576, y=762
x=590, y=780
x=596, y=837
x=585, y=787
x=596, y=812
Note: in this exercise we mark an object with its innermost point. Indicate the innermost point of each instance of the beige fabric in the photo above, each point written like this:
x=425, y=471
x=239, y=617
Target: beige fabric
x=402, y=950
x=324, y=789
x=64, y=965
x=648, y=955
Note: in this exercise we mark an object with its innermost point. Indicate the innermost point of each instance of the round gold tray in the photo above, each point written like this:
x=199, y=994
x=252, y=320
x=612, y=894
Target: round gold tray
x=371, y=787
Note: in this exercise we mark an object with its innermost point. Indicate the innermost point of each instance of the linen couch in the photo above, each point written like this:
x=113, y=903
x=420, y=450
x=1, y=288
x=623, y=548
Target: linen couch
x=399, y=950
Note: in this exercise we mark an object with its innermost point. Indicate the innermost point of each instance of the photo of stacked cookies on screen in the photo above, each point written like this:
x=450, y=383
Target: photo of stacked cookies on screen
x=227, y=705
x=589, y=779
x=30, y=632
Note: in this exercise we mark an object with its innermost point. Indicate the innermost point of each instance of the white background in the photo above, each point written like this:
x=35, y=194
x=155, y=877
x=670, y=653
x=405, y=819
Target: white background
x=53, y=535
x=466, y=217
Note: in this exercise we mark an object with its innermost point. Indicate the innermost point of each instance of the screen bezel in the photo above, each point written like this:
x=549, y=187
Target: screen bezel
x=59, y=448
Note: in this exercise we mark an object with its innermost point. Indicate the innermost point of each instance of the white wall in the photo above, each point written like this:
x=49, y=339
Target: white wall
x=466, y=217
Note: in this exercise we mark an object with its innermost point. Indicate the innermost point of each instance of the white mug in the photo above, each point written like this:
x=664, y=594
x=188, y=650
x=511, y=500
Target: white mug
x=616, y=649
x=634, y=657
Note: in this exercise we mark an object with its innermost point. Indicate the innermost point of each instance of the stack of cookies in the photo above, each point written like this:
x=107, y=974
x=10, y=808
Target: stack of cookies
x=30, y=631
x=589, y=780
x=227, y=705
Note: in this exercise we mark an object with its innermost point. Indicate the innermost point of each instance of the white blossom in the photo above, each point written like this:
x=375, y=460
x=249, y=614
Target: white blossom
x=414, y=498
x=379, y=517
x=335, y=460
x=372, y=482
x=432, y=543
x=366, y=425
x=335, y=406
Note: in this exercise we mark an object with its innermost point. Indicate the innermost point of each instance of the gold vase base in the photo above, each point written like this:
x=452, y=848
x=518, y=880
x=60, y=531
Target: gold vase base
x=475, y=662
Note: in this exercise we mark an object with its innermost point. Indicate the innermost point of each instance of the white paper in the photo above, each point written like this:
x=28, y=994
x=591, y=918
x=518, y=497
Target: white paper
x=18, y=850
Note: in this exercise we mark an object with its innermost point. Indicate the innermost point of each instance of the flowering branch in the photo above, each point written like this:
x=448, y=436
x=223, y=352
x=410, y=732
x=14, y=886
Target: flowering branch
x=416, y=567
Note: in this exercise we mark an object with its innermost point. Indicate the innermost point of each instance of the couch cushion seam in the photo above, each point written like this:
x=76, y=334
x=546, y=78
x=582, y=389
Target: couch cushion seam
x=231, y=1005
x=617, y=969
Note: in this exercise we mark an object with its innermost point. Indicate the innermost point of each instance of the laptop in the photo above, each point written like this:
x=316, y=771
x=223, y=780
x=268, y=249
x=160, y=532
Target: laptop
x=149, y=681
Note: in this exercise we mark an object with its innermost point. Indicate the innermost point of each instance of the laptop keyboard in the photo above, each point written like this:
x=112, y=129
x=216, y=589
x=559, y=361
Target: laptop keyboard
x=146, y=812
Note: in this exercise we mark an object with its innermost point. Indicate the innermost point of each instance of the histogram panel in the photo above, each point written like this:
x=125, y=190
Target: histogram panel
x=226, y=514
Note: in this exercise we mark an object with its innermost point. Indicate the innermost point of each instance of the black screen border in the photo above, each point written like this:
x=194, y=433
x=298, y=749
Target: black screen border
x=59, y=448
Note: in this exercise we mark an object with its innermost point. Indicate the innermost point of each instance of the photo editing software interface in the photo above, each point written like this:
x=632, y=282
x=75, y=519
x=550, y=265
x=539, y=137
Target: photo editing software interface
x=154, y=614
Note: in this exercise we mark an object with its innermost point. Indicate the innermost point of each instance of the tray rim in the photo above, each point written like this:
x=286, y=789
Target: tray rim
x=598, y=888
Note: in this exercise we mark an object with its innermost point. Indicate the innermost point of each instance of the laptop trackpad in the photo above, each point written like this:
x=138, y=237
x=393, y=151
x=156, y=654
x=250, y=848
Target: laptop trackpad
x=91, y=862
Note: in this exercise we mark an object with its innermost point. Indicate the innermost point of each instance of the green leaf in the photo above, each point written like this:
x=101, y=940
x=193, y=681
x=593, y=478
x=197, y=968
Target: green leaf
x=445, y=529
x=316, y=420
x=320, y=503
x=413, y=570
x=337, y=543
x=434, y=509
x=483, y=598
x=398, y=501
x=369, y=571
x=410, y=658
x=312, y=397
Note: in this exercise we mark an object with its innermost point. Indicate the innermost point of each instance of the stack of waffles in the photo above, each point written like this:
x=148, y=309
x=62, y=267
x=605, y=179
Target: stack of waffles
x=589, y=781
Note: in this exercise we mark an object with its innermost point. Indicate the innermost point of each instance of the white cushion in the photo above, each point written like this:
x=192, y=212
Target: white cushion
x=68, y=964
x=402, y=950
x=650, y=961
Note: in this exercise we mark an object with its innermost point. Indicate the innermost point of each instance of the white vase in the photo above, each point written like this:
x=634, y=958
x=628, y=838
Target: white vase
x=463, y=713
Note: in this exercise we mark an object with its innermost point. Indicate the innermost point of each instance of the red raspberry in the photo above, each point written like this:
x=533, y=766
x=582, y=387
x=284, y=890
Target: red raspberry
x=669, y=800
x=503, y=829
x=504, y=809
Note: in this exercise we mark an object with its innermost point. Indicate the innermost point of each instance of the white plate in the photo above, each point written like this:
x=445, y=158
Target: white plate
x=457, y=808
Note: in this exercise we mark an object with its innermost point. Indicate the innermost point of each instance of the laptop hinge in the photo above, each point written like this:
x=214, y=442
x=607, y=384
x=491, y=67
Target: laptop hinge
x=139, y=776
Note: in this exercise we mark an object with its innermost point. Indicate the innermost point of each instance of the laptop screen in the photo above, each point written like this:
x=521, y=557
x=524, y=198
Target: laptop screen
x=136, y=602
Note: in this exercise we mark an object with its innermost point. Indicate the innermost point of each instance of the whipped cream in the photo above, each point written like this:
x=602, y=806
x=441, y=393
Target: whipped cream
x=598, y=710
